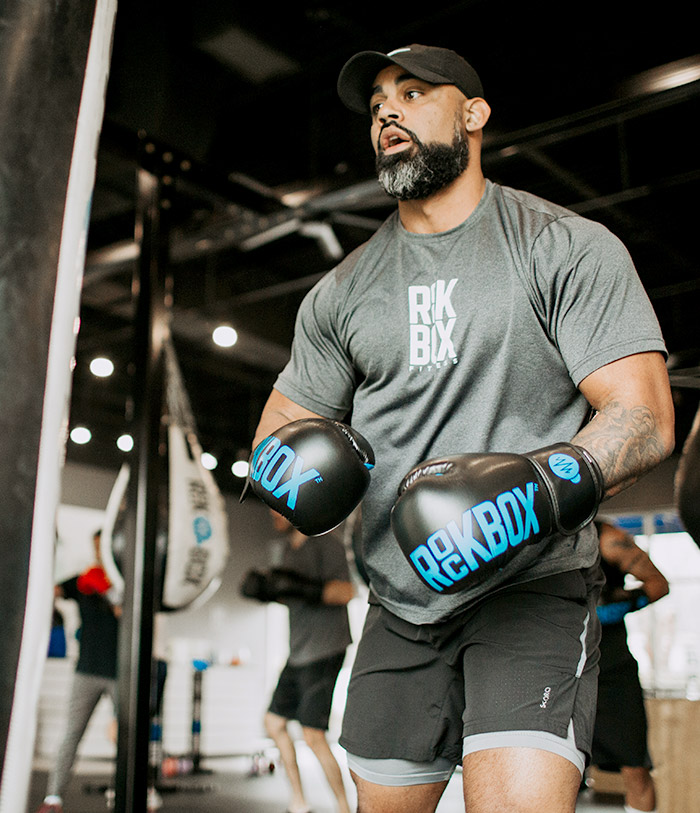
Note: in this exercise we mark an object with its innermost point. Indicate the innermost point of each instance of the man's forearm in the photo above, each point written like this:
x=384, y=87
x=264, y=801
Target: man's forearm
x=626, y=443
x=278, y=411
x=337, y=592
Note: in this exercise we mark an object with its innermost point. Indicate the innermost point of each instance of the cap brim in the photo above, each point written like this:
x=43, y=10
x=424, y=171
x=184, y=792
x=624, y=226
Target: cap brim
x=355, y=79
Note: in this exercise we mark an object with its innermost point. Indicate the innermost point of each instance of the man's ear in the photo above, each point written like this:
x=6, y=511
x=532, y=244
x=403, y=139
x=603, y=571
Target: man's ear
x=476, y=114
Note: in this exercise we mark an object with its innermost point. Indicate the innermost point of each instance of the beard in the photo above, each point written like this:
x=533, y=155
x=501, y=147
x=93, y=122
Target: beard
x=424, y=169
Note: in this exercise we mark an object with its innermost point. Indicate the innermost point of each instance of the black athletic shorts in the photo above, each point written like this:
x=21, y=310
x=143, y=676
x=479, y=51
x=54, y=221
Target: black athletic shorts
x=620, y=734
x=524, y=659
x=305, y=693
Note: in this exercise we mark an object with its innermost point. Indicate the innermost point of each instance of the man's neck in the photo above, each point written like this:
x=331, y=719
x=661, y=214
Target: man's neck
x=445, y=209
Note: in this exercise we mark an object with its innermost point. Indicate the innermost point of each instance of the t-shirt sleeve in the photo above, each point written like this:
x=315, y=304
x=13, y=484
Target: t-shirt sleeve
x=595, y=307
x=319, y=375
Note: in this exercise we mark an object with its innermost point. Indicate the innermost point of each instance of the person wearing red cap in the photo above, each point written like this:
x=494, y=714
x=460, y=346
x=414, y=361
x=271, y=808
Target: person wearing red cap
x=477, y=324
x=95, y=672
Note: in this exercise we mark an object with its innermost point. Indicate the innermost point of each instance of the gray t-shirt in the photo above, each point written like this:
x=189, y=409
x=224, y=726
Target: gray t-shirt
x=470, y=340
x=317, y=631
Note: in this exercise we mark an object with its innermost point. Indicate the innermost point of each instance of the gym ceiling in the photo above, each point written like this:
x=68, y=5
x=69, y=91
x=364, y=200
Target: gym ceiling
x=268, y=180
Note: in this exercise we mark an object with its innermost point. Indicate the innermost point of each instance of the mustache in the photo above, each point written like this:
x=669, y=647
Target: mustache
x=414, y=138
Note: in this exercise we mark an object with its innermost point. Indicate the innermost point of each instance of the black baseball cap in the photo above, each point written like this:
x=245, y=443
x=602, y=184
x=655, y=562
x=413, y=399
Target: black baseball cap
x=440, y=66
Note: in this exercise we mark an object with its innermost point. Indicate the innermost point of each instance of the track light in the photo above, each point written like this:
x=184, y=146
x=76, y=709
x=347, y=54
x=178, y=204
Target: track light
x=225, y=336
x=81, y=435
x=101, y=367
x=125, y=443
x=240, y=468
x=209, y=461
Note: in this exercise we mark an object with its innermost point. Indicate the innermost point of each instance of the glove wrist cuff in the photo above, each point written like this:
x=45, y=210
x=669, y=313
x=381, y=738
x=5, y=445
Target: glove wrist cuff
x=574, y=482
x=595, y=471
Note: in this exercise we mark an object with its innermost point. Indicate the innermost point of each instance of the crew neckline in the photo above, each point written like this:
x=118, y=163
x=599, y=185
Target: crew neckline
x=465, y=224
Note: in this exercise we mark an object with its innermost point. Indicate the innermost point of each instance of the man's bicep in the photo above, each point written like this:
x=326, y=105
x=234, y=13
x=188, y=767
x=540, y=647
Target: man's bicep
x=633, y=426
x=278, y=411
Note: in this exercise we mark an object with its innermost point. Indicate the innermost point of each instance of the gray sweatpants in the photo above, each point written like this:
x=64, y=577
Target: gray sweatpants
x=85, y=694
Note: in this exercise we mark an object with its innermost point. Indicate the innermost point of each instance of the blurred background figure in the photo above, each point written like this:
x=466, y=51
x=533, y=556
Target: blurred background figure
x=313, y=581
x=96, y=668
x=620, y=736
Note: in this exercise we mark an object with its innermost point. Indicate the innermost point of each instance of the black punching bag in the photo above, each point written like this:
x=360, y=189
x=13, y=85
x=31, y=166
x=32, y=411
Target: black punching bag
x=687, y=483
x=54, y=61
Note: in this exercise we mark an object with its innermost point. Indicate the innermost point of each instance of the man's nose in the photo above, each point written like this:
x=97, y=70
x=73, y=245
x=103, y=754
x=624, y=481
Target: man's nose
x=390, y=112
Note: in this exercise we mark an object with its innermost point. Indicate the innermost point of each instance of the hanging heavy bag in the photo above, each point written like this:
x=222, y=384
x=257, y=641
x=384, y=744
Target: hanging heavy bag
x=111, y=538
x=197, y=541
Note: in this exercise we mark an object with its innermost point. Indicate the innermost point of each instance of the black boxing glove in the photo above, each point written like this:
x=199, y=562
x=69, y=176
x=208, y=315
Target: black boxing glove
x=313, y=471
x=458, y=519
x=279, y=584
x=254, y=585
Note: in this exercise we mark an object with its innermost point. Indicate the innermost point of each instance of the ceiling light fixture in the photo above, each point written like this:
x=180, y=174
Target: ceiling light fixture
x=224, y=336
x=240, y=468
x=256, y=60
x=209, y=461
x=666, y=77
x=101, y=367
x=125, y=443
x=81, y=435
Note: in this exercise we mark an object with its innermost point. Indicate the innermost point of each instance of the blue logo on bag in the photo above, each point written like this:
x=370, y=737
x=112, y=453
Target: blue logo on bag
x=202, y=529
x=565, y=466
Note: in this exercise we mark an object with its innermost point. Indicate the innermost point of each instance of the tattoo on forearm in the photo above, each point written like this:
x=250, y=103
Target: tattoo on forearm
x=622, y=543
x=625, y=442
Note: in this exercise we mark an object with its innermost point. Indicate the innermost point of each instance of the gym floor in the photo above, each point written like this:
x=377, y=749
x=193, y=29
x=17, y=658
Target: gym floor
x=233, y=786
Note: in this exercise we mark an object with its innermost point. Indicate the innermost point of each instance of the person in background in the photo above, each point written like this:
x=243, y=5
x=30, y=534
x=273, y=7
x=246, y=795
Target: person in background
x=95, y=671
x=57, y=640
x=620, y=733
x=314, y=582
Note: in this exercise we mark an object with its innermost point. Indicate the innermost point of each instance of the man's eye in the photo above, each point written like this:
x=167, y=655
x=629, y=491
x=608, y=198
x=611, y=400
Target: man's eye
x=412, y=94
x=375, y=108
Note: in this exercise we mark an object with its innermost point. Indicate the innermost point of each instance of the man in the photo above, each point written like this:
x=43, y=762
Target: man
x=620, y=734
x=313, y=580
x=478, y=319
x=95, y=671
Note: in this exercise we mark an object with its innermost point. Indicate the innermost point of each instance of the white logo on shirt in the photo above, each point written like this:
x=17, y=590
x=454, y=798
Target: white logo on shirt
x=432, y=319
